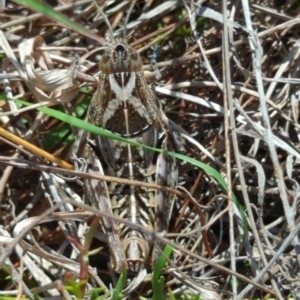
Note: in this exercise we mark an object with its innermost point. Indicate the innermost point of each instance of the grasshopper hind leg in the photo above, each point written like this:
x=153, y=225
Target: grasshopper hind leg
x=166, y=175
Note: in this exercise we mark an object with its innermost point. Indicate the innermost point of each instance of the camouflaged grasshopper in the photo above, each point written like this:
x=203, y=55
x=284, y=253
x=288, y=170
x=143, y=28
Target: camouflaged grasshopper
x=125, y=105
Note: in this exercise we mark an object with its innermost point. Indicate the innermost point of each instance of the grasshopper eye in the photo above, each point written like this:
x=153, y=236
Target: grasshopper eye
x=105, y=58
x=105, y=64
x=134, y=56
x=135, y=61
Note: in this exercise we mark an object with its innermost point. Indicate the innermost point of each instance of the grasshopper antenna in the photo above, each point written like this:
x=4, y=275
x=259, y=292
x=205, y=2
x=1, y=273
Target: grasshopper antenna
x=111, y=32
x=127, y=19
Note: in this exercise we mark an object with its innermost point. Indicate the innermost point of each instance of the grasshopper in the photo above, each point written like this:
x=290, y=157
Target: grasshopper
x=125, y=105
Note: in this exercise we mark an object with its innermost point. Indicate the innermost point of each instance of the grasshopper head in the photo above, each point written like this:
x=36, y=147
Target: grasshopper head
x=120, y=57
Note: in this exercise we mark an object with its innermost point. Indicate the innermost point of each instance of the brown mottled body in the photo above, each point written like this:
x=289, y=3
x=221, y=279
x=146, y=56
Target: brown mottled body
x=125, y=105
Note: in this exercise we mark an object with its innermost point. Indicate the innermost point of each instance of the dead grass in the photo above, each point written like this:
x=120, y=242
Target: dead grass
x=237, y=101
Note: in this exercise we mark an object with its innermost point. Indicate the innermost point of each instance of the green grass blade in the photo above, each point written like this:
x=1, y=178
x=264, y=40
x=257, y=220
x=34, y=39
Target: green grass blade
x=117, y=293
x=54, y=15
x=73, y=121
x=157, y=279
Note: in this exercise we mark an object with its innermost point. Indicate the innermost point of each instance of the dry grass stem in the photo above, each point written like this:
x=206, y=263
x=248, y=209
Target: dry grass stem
x=229, y=85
